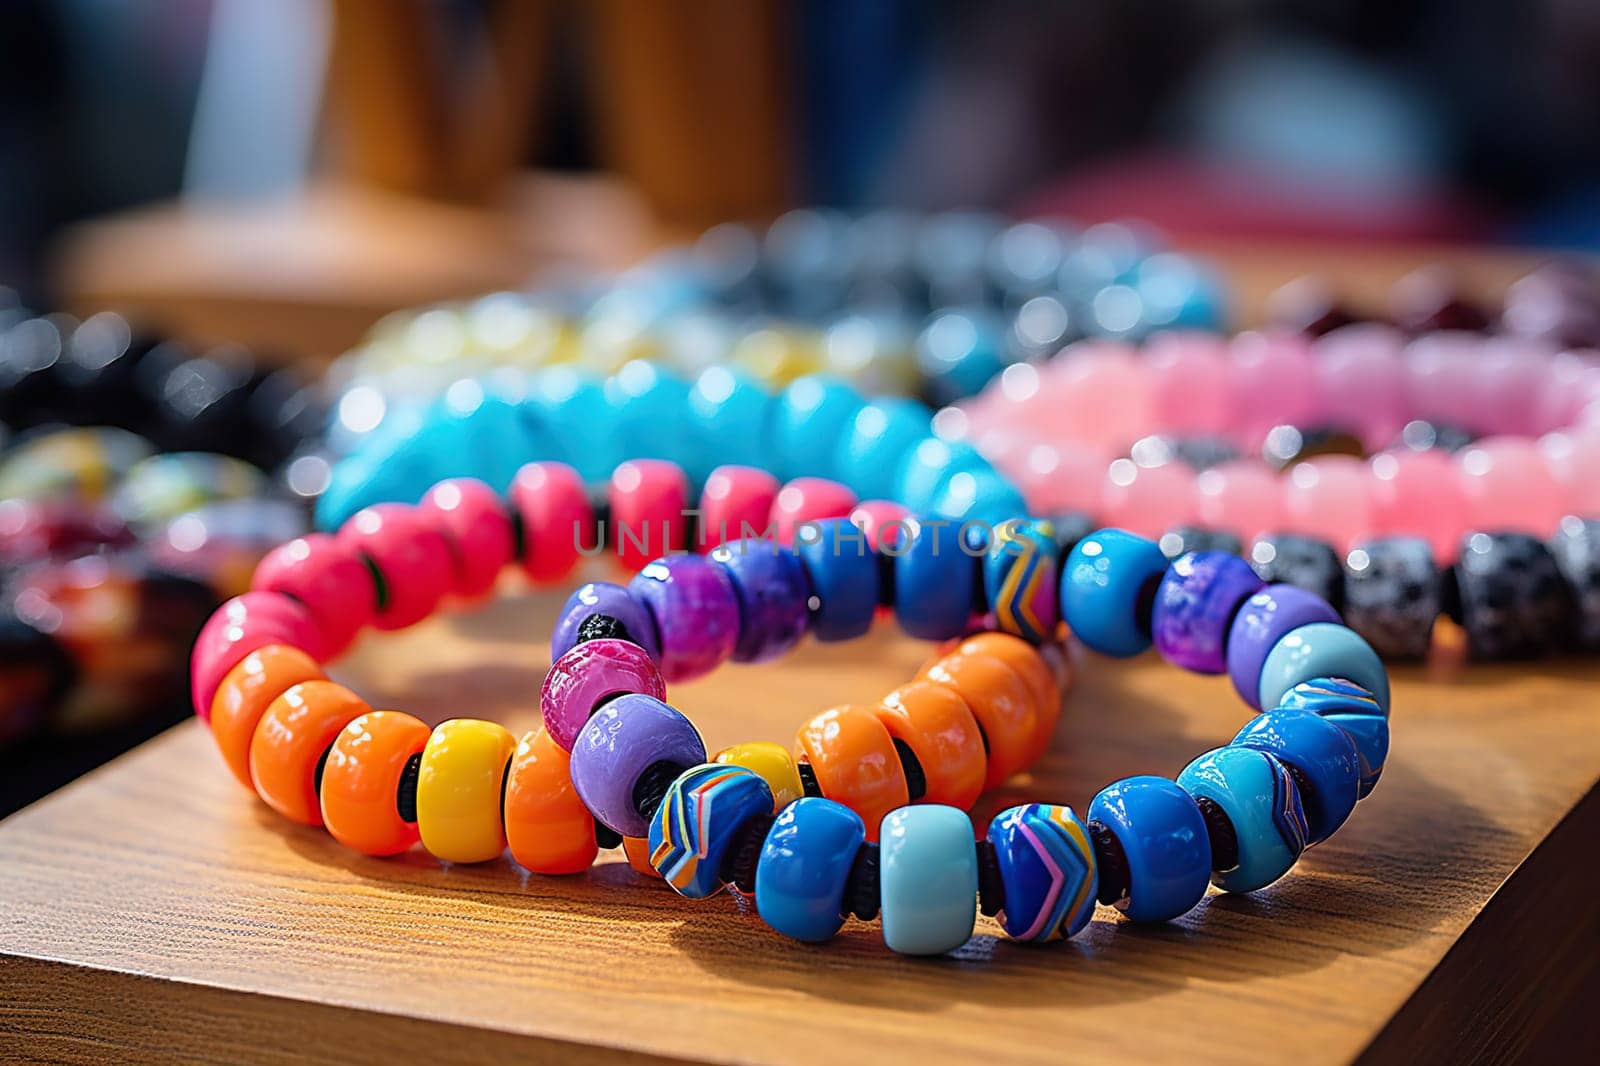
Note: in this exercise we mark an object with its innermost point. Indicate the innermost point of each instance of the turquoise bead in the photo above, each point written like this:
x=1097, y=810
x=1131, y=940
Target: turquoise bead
x=1351, y=708
x=731, y=413
x=495, y=441
x=1322, y=649
x=808, y=419
x=1260, y=798
x=651, y=419
x=926, y=467
x=571, y=413
x=1325, y=756
x=1164, y=843
x=875, y=442
x=1103, y=584
x=928, y=879
x=978, y=495
x=1019, y=579
x=804, y=866
x=697, y=822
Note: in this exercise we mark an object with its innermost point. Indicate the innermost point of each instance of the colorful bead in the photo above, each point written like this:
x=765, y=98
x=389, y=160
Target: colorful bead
x=1048, y=868
x=932, y=581
x=878, y=519
x=928, y=880
x=613, y=601
x=735, y=504
x=697, y=821
x=804, y=866
x=810, y=410
x=411, y=558
x=1392, y=595
x=246, y=692
x=1514, y=603
x=361, y=778
x=555, y=518
x=288, y=745
x=239, y=627
x=844, y=581
x=458, y=790
x=803, y=502
x=1322, y=649
x=695, y=610
x=1326, y=757
x=1045, y=677
x=1257, y=793
x=626, y=737
x=936, y=724
x=329, y=578
x=1195, y=603
x=1102, y=584
x=586, y=677
x=1164, y=843
x=773, y=595
x=637, y=851
x=1002, y=705
x=855, y=763
x=548, y=829
x=648, y=498
x=1351, y=708
x=1019, y=579
x=876, y=442
x=1263, y=620
x=773, y=763
x=474, y=521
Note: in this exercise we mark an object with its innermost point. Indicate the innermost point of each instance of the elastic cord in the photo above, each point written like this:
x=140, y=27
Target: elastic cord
x=991, y=889
x=861, y=893
x=652, y=787
x=1112, y=862
x=740, y=861
x=1224, y=838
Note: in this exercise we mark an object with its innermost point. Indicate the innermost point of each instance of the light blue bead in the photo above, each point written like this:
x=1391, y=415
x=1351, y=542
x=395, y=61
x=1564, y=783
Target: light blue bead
x=959, y=351
x=1322, y=649
x=1325, y=756
x=495, y=440
x=1164, y=840
x=805, y=865
x=1102, y=585
x=928, y=879
x=732, y=411
x=807, y=421
x=927, y=466
x=875, y=443
x=978, y=495
x=652, y=420
x=568, y=409
x=933, y=580
x=1351, y=708
x=1259, y=797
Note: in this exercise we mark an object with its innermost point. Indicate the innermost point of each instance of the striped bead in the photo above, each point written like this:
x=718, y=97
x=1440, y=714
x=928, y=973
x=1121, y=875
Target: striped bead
x=1019, y=579
x=1353, y=709
x=697, y=821
x=1048, y=868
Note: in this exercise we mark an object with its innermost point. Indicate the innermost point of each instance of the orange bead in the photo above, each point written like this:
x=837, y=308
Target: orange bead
x=298, y=727
x=548, y=827
x=1002, y=705
x=361, y=780
x=1036, y=672
x=856, y=763
x=246, y=691
x=637, y=849
x=936, y=724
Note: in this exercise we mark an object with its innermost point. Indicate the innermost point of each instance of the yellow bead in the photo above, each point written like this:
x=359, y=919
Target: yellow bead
x=458, y=790
x=773, y=764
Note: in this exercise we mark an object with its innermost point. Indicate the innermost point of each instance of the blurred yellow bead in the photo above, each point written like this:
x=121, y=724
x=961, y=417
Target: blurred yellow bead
x=458, y=790
x=772, y=763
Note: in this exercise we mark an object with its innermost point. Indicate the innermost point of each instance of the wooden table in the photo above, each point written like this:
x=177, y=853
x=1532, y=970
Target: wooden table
x=154, y=910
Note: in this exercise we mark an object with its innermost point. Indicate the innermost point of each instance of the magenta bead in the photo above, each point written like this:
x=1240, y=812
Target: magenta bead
x=735, y=503
x=647, y=498
x=695, y=611
x=1148, y=500
x=1508, y=487
x=473, y=519
x=1329, y=498
x=1573, y=382
x=873, y=516
x=808, y=499
x=329, y=578
x=587, y=676
x=1064, y=477
x=1189, y=391
x=239, y=627
x=1243, y=497
x=413, y=559
x=1272, y=381
x=1510, y=377
x=1361, y=382
x=1418, y=494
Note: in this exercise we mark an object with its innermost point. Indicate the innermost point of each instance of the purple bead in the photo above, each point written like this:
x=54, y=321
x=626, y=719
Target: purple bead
x=586, y=676
x=602, y=597
x=624, y=738
x=772, y=591
x=1265, y=618
x=1194, y=604
x=695, y=611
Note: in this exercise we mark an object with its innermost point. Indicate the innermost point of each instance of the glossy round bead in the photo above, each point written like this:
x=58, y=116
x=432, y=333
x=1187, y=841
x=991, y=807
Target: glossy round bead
x=879, y=520
x=1263, y=620
x=1148, y=500
x=804, y=866
x=1102, y=585
x=625, y=738
x=1287, y=559
x=875, y=443
x=613, y=601
x=936, y=724
x=1195, y=604
x=773, y=595
x=1418, y=494
x=1243, y=497
x=1322, y=649
x=1351, y=708
x=1514, y=602
x=412, y=559
x=297, y=728
x=548, y=829
x=555, y=517
x=1262, y=802
x=239, y=627
x=928, y=880
x=1576, y=550
x=1508, y=487
x=855, y=762
x=1392, y=595
x=698, y=821
x=805, y=501
x=1045, y=677
x=807, y=418
x=1000, y=701
x=246, y=692
x=1164, y=841
x=458, y=790
x=586, y=677
x=696, y=613
x=926, y=468
x=1326, y=757
x=647, y=497
x=735, y=504
x=1048, y=868
x=474, y=521
x=932, y=581
x=1019, y=580
x=844, y=578
x=362, y=778
x=731, y=410
x=329, y=578
x=773, y=763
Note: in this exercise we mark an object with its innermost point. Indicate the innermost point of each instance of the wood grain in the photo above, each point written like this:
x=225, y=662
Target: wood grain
x=155, y=911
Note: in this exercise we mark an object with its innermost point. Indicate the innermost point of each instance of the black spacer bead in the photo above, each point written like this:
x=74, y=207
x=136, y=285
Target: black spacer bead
x=808, y=778
x=605, y=837
x=603, y=627
x=691, y=531
x=991, y=889
x=916, y=777
x=739, y=862
x=886, y=580
x=1224, y=838
x=322, y=764
x=861, y=893
x=405, y=800
x=651, y=788
x=1145, y=606
x=1112, y=862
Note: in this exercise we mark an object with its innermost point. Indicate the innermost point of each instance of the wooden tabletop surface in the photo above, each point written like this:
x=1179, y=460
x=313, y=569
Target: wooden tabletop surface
x=156, y=910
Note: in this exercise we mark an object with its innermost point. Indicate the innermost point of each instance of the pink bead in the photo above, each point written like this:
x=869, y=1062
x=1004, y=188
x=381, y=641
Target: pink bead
x=1511, y=374
x=1573, y=382
x=1069, y=476
x=412, y=558
x=1361, y=382
x=1329, y=498
x=556, y=518
x=1573, y=457
x=1094, y=392
x=1189, y=389
x=808, y=499
x=1147, y=500
x=586, y=676
x=648, y=498
x=239, y=627
x=473, y=519
x=1509, y=488
x=1243, y=497
x=1271, y=379
x=1441, y=377
x=735, y=504
x=330, y=579
x=872, y=516
x=1418, y=494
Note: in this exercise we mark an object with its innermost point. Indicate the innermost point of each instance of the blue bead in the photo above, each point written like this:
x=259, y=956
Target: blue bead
x=1048, y=868
x=1102, y=585
x=1163, y=837
x=959, y=351
x=876, y=442
x=843, y=573
x=805, y=865
x=928, y=879
x=697, y=821
x=932, y=581
x=1259, y=797
x=1322, y=649
x=926, y=467
x=570, y=411
x=494, y=439
x=731, y=412
x=1019, y=579
x=651, y=419
x=1325, y=756
x=978, y=495
x=1351, y=708
x=807, y=420
x=770, y=584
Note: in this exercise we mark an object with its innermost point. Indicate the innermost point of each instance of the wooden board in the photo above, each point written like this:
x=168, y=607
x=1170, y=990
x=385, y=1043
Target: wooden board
x=155, y=910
